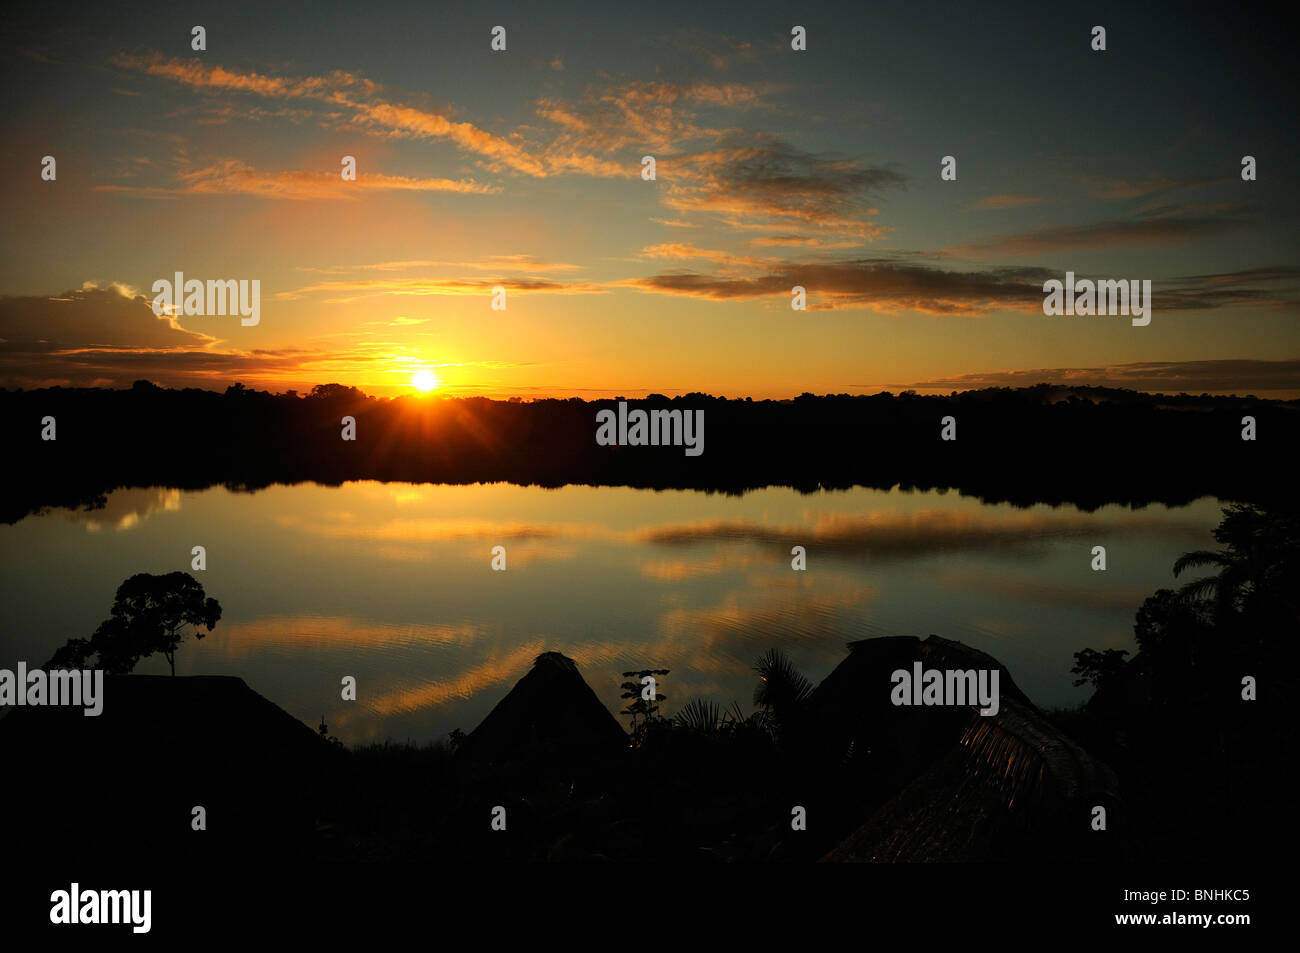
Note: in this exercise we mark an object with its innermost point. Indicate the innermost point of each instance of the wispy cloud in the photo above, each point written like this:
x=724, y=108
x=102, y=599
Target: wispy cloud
x=764, y=180
x=500, y=263
x=891, y=535
x=351, y=290
x=1164, y=227
x=232, y=177
x=359, y=101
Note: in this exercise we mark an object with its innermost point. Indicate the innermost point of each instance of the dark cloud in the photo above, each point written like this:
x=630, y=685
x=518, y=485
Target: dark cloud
x=766, y=178
x=92, y=317
x=886, y=285
x=1150, y=231
x=886, y=535
x=1240, y=377
x=111, y=337
x=1280, y=291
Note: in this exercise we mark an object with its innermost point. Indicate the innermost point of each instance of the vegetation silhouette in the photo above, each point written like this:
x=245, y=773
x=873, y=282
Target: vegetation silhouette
x=1179, y=716
x=1086, y=446
x=647, y=709
x=149, y=614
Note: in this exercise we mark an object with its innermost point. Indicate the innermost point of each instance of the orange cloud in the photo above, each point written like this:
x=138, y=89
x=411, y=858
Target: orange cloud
x=494, y=671
x=336, y=634
x=232, y=177
x=362, y=105
x=1006, y=200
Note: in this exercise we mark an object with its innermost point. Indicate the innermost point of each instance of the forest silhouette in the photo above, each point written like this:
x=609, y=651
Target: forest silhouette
x=1084, y=446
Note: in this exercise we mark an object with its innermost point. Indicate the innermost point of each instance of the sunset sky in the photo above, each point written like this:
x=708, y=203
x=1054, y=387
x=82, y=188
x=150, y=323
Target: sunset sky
x=774, y=168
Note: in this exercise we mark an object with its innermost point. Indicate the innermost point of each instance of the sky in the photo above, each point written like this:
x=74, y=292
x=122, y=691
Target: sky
x=522, y=169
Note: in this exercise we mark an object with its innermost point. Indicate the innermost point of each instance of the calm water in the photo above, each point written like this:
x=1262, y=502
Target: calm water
x=391, y=583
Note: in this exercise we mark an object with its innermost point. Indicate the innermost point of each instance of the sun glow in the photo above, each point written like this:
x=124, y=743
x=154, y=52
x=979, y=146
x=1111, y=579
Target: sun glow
x=424, y=380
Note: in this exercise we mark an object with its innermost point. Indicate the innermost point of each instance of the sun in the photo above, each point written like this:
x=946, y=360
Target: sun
x=424, y=380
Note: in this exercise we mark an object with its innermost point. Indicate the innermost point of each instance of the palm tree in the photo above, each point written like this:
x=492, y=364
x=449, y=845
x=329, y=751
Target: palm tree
x=1251, y=558
x=1224, y=589
x=783, y=690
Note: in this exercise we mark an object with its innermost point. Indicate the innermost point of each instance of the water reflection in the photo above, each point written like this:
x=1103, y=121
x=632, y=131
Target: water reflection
x=391, y=584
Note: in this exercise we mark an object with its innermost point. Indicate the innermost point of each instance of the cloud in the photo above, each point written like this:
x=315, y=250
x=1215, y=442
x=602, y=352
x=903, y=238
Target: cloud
x=496, y=669
x=716, y=50
x=1170, y=377
x=351, y=290
x=1109, y=188
x=357, y=100
x=232, y=177
x=680, y=570
x=1280, y=291
x=887, y=286
x=120, y=366
x=884, y=535
x=438, y=529
x=92, y=317
x=1165, y=226
x=804, y=241
x=500, y=263
x=111, y=337
x=744, y=177
x=126, y=509
x=320, y=634
x=778, y=613
x=758, y=177
x=684, y=251
x=645, y=116
x=1006, y=200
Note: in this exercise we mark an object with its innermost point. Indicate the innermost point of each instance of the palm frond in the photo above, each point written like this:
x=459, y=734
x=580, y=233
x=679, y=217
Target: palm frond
x=699, y=714
x=1202, y=557
x=782, y=683
x=1199, y=591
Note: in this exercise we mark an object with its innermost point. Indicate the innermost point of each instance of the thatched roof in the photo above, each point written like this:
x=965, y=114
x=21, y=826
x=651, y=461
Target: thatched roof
x=1003, y=787
x=550, y=709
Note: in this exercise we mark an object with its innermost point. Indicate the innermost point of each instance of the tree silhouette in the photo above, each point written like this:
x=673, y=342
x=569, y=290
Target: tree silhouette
x=1098, y=668
x=1260, y=560
x=154, y=611
x=150, y=614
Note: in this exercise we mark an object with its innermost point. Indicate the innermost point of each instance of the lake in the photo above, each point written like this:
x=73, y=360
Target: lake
x=392, y=583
